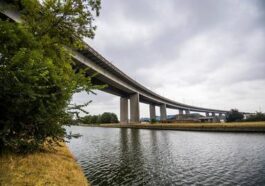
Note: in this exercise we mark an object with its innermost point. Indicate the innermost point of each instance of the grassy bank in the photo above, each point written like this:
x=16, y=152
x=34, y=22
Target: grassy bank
x=41, y=168
x=227, y=127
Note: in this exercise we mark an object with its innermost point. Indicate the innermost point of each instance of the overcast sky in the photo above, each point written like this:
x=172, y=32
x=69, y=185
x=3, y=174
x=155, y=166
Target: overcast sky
x=205, y=53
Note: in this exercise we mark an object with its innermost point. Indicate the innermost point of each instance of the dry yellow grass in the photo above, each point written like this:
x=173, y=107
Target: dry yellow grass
x=41, y=168
x=237, y=126
x=226, y=125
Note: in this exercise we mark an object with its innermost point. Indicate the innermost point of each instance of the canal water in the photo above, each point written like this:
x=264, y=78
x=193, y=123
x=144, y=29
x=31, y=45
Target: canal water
x=113, y=156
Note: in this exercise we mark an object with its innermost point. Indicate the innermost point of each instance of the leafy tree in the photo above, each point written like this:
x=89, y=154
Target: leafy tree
x=98, y=119
x=153, y=121
x=114, y=118
x=86, y=119
x=94, y=119
x=37, y=74
x=234, y=115
x=106, y=117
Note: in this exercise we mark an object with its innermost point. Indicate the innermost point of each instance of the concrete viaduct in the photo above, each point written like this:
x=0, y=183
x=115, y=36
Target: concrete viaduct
x=131, y=91
x=126, y=88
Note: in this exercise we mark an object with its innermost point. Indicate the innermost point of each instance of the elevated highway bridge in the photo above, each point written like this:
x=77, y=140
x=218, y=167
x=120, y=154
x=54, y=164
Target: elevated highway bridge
x=129, y=90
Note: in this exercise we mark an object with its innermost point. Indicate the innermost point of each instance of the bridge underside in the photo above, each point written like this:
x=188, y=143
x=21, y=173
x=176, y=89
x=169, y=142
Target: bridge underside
x=119, y=84
x=130, y=94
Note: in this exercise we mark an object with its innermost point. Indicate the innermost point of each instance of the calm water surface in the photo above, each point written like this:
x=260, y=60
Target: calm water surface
x=112, y=156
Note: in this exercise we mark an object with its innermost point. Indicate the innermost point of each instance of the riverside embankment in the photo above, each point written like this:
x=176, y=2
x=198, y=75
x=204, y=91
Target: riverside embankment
x=41, y=168
x=216, y=127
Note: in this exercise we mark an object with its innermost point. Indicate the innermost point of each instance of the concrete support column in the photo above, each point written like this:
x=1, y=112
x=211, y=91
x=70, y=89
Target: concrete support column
x=152, y=112
x=180, y=111
x=163, y=112
x=187, y=111
x=123, y=110
x=213, y=113
x=207, y=114
x=134, y=108
x=220, y=114
x=226, y=114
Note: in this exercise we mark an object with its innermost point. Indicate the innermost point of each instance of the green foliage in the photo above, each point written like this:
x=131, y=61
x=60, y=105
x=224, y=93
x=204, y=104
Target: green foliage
x=106, y=117
x=98, y=121
x=153, y=121
x=67, y=22
x=94, y=119
x=37, y=79
x=114, y=118
x=86, y=119
x=259, y=116
x=234, y=115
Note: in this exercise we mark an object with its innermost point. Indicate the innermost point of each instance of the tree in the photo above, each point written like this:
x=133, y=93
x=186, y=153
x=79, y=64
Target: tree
x=98, y=121
x=153, y=120
x=94, y=119
x=106, y=117
x=234, y=115
x=86, y=119
x=37, y=73
x=114, y=118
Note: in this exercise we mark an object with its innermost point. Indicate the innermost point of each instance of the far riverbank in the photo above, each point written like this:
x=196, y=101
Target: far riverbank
x=215, y=127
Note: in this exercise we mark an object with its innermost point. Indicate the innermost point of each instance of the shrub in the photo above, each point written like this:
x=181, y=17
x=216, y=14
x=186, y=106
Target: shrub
x=37, y=75
x=234, y=115
x=86, y=119
x=106, y=117
x=114, y=118
x=94, y=119
x=153, y=121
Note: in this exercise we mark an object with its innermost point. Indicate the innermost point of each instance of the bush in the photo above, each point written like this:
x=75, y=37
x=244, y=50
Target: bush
x=94, y=119
x=153, y=121
x=114, y=118
x=33, y=97
x=234, y=115
x=37, y=79
x=106, y=117
x=86, y=119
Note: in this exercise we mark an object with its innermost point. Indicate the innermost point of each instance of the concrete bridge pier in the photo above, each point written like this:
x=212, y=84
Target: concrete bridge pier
x=220, y=114
x=207, y=114
x=180, y=111
x=124, y=110
x=163, y=112
x=213, y=113
x=134, y=108
x=187, y=111
x=152, y=112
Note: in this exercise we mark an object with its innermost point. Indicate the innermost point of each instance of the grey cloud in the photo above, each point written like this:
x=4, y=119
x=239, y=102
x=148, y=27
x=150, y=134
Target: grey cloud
x=205, y=47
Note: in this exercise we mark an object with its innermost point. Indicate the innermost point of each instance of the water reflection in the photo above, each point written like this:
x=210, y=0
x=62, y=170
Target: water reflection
x=157, y=157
